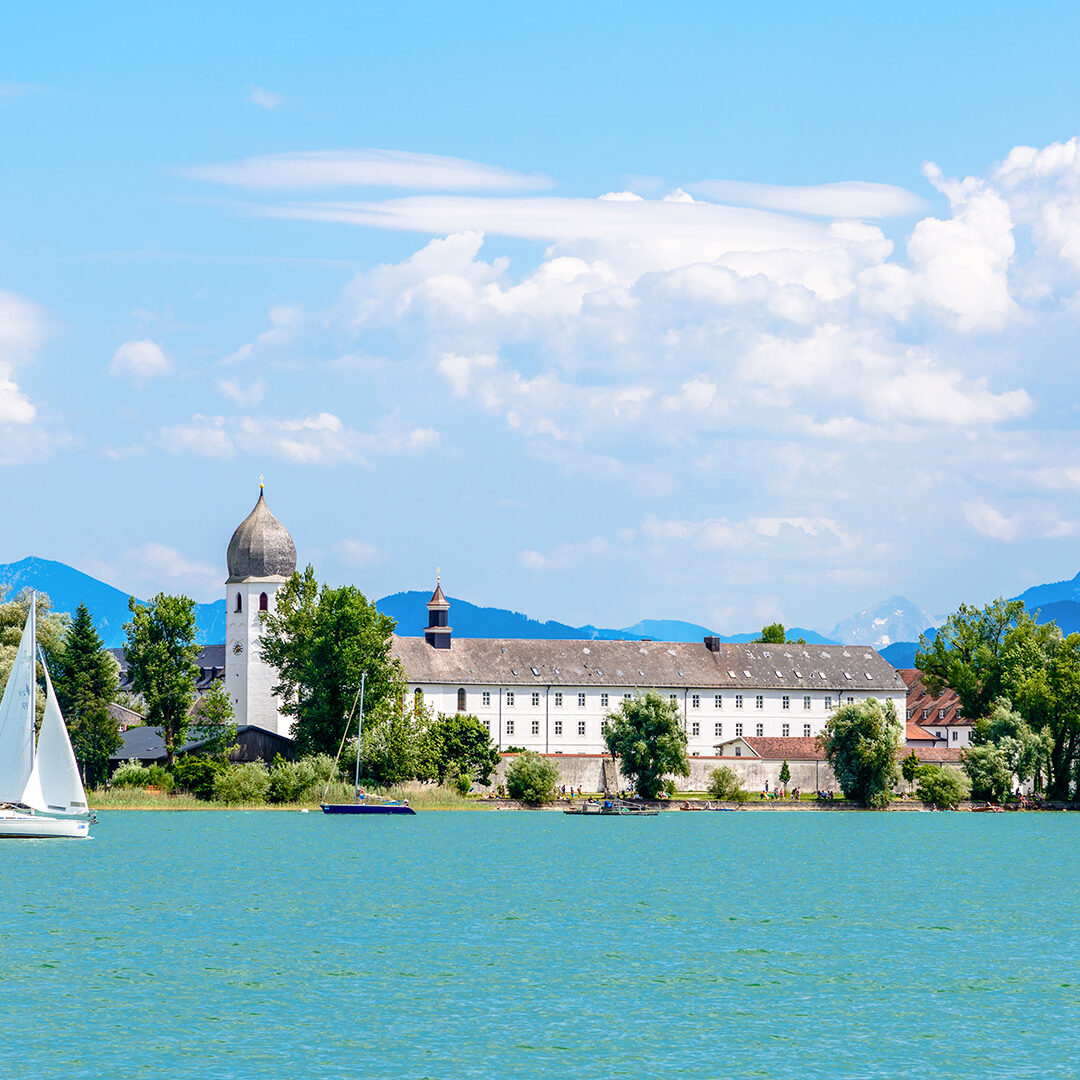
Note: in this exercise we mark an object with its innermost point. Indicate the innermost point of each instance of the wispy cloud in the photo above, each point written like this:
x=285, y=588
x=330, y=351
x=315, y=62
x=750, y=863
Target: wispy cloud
x=265, y=99
x=851, y=199
x=139, y=360
x=366, y=168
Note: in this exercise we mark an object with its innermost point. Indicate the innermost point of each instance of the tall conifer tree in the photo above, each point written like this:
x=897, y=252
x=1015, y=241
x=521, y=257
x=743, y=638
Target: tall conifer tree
x=85, y=679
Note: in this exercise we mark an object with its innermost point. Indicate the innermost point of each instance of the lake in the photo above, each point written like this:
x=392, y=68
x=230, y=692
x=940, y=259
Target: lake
x=481, y=944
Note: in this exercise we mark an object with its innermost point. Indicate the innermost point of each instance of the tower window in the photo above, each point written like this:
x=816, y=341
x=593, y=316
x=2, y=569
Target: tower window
x=239, y=602
x=418, y=698
x=461, y=699
x=264, y=602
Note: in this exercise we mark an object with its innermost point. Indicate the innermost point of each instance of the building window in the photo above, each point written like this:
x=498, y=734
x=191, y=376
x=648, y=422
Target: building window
x=264, y=602
x=695, y=728
x=558, y=699
x=738, y=730
x=718, y=701
x=785, y=730
x=535, y=698
x=760, y=730
x=418, y=698
x=786, y=701
x=509, y=727
x=738, y=701
x=581, y=727
x=461, y=699
x=536, y=727
x=674, y=699
x=851, y=701
x=628, y=697
x=487, y=726
x=718, y=730
x=759, y=702
x=558, y=727
x=603, y=701
x=486, y=697
x=738, y=751
x=581, y=701
x=955, y=736
x=509, y=697
x=806, y=702
x=941, y=714
x=806, y=731
x=828, y=701
x=239, y=602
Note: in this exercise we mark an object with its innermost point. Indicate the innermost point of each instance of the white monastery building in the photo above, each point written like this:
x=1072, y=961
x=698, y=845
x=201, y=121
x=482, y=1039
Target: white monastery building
x=260, y=559
x=552, y=696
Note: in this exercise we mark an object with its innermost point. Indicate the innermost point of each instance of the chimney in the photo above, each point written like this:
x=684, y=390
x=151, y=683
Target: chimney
x=712, y=643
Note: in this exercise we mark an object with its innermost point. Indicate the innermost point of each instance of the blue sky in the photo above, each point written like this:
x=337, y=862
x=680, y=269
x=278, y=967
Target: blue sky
x=724, y=313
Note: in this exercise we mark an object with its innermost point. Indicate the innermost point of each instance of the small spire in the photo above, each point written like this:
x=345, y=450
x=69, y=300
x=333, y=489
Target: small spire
x=438, y=574
x=260, y=483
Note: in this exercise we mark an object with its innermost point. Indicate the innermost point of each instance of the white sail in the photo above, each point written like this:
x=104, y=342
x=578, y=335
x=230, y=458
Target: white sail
x=17, y=720
x=55, y=785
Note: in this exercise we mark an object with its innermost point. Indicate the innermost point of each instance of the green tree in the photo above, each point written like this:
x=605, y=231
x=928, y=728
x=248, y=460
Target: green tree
x=1026, y=752
x=393, y=744
x=160, y=651
x=785, y=772
x=645, y=735
x=910, y=766
x=213, y=721
x=459, y=745
x=943, y=788
x=968, y=653
x=530, y=777
x=197, y=773
x=85, y=677
x=988, y=770
x=861, y=743
x=773, y=634
x=320, y=641
x=726, y=784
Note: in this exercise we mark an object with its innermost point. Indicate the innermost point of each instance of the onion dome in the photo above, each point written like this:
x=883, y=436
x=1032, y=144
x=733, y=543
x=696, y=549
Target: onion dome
x=261, y=547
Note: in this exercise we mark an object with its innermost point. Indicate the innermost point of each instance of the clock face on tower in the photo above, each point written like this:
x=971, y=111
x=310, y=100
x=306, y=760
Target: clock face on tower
x=237, y=647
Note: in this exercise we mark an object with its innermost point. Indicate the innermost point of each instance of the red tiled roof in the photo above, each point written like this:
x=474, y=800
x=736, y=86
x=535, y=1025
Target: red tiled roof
x=932, y=755
x=790, y=749
x=916, y=735
x=927, y=710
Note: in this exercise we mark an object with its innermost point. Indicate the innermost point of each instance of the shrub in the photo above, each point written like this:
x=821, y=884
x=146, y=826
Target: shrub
x=942, y=788
x=132, y=774
x=725, y=783
x=462, y=783
x=247, y=783
x=300, y=781
x=531, y=778
x=669, y=788
x=196, y=773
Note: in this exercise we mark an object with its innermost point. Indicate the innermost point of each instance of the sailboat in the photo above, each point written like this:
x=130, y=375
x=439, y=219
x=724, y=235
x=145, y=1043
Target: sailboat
x=362, y=803
x=41, y=792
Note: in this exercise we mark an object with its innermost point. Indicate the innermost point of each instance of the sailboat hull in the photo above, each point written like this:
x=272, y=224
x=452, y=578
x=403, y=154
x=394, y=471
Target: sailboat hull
x=15, y=825
x=367, y=808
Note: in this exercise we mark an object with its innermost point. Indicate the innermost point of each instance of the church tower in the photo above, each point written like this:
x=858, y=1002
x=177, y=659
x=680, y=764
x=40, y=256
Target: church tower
x=261, y=558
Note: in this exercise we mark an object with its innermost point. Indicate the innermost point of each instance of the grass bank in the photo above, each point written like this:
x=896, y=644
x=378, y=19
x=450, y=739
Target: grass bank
x=419, y=796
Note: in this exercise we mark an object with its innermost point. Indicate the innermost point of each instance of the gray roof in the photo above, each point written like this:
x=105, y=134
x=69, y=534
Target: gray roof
x=148, y=743
x=261, y=547
x=519, y=662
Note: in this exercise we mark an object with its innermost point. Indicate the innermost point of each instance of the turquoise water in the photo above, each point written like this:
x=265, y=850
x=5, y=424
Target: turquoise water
x=535, y=945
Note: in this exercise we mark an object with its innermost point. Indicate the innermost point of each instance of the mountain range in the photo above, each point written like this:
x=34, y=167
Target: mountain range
x=892, y=626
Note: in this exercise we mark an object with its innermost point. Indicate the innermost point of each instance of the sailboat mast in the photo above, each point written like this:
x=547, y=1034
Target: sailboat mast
x=359, y=733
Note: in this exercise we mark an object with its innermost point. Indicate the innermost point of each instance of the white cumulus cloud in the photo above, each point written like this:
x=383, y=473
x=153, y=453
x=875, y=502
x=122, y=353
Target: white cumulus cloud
x=139, y=360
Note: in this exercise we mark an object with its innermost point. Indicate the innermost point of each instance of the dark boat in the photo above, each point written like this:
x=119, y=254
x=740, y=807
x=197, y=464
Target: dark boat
x=367, y=808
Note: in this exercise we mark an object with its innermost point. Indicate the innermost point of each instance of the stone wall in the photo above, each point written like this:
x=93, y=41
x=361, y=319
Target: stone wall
x=587, y=772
